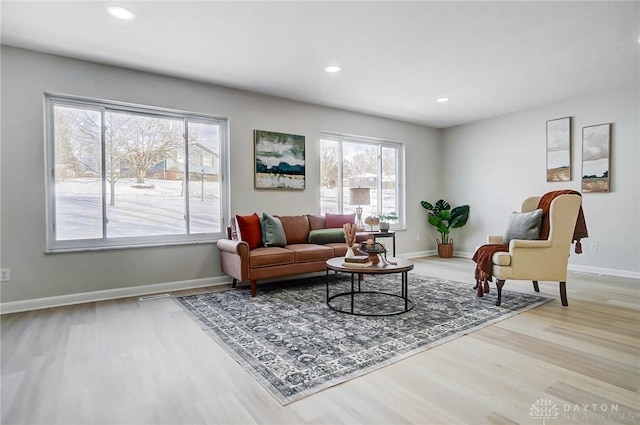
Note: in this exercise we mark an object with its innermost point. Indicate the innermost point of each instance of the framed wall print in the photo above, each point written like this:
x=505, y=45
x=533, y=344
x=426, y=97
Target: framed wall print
x=279, y=160
x=559, y=150
x=596, y=145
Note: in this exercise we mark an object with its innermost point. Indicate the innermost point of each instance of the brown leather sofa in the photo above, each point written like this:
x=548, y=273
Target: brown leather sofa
x=298, y=256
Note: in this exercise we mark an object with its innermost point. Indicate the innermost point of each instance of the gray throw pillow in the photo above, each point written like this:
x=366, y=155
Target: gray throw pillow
x=272, y=231
x=523, y=226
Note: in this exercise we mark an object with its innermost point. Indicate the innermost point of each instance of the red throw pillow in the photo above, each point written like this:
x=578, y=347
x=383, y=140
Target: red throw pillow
x=250, y=230
x=334, y=221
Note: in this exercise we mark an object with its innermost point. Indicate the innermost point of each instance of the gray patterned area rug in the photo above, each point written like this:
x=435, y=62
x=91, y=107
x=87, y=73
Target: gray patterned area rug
x=295, y=346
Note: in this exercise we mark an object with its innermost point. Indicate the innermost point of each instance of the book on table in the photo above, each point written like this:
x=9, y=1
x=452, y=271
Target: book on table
x=357, y=259
x=357, y=265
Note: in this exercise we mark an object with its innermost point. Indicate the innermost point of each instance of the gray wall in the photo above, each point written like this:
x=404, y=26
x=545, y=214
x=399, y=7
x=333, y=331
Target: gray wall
x=494, y=164
x=27, y=75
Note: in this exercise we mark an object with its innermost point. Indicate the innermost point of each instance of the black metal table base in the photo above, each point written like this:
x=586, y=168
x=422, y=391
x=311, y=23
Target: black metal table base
x=408, y=304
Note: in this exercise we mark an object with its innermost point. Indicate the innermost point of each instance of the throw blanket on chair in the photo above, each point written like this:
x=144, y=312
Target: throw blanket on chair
x=484, y=254
x=483, y=258
x=579, y=232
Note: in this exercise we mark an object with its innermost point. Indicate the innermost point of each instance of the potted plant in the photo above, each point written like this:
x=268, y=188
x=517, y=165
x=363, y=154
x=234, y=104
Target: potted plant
x=443, y=218
x=385, y=219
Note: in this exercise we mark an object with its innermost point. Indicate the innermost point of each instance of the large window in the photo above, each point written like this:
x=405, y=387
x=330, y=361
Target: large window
x=355, y=162
x=125, y=176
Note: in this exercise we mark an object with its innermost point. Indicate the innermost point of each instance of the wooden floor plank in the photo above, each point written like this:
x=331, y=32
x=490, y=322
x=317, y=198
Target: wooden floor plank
x=146, y=362
x=596, y=366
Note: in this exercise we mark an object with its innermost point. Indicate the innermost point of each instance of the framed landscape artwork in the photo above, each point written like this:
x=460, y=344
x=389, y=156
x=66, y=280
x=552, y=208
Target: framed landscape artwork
x=559, y=150
x=596, y=143
x=279, y=160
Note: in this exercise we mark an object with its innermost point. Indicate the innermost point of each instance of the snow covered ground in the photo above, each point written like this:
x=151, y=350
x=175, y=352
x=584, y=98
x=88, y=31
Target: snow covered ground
x=137, y=212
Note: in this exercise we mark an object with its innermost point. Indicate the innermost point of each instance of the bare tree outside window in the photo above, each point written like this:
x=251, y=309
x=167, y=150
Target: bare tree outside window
x=140, y=142
x=122, y=174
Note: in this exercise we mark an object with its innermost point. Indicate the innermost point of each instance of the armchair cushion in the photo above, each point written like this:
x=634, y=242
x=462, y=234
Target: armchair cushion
x=523, y=226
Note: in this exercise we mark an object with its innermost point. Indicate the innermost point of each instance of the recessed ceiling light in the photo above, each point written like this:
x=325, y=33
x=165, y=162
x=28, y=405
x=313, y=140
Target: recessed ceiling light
x=332, y=68
x=442, y=99
x=120, y=13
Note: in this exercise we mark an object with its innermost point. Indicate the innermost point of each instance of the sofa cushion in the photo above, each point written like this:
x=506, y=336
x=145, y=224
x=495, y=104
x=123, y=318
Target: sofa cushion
x=296, y=228
x=272, y=231
x=323, y=236
x=333, y=221
x=305, y=252
x=272, y=256
x=249, y=230
x=339, y=249
x=316, y=222
x=523, y=226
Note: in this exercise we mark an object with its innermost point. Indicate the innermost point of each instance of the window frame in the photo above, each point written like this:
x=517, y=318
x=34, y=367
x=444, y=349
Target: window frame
x=341, y=138
x=106, y=243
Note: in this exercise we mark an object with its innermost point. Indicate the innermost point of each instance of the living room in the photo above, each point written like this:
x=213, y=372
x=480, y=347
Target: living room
x=492, y=164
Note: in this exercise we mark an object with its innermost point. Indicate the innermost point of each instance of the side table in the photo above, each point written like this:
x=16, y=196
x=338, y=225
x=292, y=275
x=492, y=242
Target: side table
x=390, y=234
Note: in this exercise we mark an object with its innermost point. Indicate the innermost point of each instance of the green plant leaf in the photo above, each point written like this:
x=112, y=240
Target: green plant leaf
x=442, y=205
x=434, y=220
x=442, y=228
x=445, y=215
x=426, y=205
x=459, y=216
x=392, y=216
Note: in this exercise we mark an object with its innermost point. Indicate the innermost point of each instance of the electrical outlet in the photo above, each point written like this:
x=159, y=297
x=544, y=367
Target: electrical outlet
x=417, y=236
x=5, y=275
x=594, y=247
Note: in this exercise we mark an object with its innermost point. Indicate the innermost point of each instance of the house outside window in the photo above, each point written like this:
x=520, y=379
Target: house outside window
x=351, y=162
x=118, y=177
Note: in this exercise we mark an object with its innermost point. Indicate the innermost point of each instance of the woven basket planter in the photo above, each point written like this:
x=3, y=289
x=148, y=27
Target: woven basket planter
x=445, y=250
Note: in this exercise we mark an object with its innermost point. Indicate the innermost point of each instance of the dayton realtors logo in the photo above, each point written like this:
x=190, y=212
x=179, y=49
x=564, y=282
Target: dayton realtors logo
x=545, y=409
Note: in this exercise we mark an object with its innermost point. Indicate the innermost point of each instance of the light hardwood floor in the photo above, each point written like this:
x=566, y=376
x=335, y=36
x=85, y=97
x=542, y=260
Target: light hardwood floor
x=145, y=362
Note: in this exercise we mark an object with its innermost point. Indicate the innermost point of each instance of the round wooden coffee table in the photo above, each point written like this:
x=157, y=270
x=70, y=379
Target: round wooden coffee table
x=403, y=266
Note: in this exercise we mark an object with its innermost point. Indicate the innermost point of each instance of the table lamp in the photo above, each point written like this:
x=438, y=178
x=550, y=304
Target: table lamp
x=359, y=196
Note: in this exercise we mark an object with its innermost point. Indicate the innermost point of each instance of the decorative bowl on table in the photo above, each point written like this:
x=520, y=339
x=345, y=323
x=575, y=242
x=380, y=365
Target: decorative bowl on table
x=372, y=249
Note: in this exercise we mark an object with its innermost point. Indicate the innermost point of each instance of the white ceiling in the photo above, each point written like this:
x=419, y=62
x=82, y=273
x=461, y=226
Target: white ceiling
x=490, y=58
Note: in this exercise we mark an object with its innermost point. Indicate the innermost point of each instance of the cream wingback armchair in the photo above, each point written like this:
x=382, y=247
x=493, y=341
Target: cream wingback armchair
x=537, y=259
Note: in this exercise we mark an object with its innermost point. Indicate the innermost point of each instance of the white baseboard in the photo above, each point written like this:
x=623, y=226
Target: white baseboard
x=463, y=254
x=135, y=291
x=417, y=254
x=109, y=294
x=603, y=271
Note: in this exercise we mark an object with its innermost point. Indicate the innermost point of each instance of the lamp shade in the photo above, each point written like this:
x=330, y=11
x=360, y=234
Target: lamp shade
x=359, y=196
